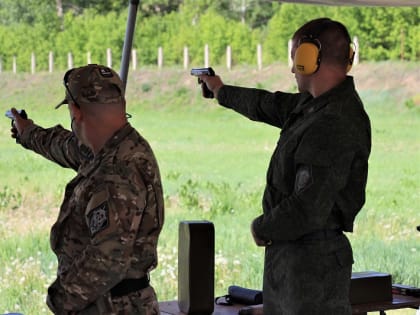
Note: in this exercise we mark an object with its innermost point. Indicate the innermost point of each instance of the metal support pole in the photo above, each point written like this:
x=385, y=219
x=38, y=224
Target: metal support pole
x=129, y=33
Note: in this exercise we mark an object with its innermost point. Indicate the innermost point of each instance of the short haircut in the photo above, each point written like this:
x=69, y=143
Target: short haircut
x=332, y=35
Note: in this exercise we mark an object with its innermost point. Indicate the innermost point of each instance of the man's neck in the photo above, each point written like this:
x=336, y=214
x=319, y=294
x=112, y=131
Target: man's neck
x=326, y=80
x=98, y=136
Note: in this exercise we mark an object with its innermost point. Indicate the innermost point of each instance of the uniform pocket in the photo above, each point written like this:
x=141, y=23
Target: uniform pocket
x=344, y=257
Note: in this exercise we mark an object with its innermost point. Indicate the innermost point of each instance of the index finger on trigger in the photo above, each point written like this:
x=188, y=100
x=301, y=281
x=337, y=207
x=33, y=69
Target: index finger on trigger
x=14, y=112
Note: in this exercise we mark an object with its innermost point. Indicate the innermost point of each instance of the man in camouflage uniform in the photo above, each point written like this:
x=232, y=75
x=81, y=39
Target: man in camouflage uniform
x=106, y=234
x=316, y=178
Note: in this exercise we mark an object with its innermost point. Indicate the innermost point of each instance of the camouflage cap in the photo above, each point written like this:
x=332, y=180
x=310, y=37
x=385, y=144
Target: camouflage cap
x=92, y=84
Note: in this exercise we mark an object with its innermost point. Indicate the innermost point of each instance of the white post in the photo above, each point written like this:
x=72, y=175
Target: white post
x=357, y=50
x=69, y=61
x=160, y=57
x=186, y=57
x=33, y=63
x=14, y=65
x=289, y=53
x=89, y=57
x=50, y=62
x=1, y=65
x=206, y=56
x=229, y=57
x=134, y=58
x=109, y=57
x=259, y=56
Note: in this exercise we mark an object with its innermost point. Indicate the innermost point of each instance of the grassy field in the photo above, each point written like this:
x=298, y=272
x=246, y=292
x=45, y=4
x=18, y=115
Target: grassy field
x=213, y=165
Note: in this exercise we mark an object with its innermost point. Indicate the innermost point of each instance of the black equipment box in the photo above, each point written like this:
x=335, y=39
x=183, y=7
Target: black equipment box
x=370, y=286
x=196, y=267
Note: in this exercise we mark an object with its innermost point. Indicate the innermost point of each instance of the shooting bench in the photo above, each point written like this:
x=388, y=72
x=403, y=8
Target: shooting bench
x=370, y=291
x=398, y=302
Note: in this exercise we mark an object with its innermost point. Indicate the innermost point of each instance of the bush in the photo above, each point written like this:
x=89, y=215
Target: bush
x=383, y=33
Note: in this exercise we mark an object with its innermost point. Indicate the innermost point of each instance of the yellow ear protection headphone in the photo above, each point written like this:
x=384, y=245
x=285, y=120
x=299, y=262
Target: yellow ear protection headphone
x=308, y=54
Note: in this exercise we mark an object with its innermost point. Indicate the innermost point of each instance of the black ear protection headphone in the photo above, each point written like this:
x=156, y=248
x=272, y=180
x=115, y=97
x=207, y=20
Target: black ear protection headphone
x=308, y=53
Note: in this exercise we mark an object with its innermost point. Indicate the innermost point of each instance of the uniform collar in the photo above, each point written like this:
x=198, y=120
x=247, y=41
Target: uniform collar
x=309, y=104
x=109, y=147
x=115, y=139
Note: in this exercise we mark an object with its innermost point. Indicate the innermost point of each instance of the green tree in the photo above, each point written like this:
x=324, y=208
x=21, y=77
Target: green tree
x=387, y=33
x=159, y=7
x=213, y=29
x=254, y=13
x=148, y=38
x=284, y=23
x=413, y=37
x=92, y=33
x=100, y=6
x=93, y=26
x=26, y=12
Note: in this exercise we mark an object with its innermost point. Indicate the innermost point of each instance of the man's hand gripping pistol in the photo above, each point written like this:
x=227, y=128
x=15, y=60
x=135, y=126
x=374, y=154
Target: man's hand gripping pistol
x=204, y=71
x=23, y=115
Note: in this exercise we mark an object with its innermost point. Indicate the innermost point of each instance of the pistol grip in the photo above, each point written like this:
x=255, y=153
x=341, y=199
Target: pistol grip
x=206, y=92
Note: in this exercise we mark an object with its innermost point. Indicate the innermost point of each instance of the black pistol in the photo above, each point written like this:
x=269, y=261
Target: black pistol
x=201, y=71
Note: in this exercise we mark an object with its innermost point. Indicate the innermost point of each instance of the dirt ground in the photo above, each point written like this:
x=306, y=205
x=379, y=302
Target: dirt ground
x=395, y=77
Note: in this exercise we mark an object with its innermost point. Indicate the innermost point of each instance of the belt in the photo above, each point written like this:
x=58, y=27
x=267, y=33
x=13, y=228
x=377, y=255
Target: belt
x=321, y=235
x=127, y=286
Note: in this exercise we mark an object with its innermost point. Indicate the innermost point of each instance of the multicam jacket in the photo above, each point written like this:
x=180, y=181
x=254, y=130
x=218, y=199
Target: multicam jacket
x=109, y=222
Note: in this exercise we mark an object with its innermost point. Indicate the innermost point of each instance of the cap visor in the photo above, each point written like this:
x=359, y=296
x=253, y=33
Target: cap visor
x=61, y=103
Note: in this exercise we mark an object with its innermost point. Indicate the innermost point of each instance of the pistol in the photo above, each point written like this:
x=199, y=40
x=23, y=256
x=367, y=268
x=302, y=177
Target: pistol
x=204, y=71
x=201, y=71
x=21, y=112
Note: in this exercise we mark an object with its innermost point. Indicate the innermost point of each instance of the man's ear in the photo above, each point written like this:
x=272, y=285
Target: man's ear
x=75, y=112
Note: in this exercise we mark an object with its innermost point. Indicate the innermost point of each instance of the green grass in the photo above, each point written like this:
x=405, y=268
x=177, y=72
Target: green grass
x=213, y=165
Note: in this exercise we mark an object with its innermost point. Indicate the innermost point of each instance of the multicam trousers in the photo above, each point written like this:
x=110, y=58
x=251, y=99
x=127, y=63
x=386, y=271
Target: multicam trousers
x=142, y=302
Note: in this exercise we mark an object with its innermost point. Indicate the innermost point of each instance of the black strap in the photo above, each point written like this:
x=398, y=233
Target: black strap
x=127, y=286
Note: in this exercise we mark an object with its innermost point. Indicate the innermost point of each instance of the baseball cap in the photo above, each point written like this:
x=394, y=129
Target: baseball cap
x=92, y=84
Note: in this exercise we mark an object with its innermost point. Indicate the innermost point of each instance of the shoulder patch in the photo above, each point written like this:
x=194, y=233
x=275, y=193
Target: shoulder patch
x=98, y=218
x=303, y=178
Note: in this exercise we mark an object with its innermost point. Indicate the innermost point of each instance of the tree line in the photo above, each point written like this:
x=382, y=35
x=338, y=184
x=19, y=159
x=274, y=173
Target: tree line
x=79, y=26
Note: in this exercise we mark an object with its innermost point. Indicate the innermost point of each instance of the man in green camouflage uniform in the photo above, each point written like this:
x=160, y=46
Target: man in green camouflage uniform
x=106, y=234
x=316, y=178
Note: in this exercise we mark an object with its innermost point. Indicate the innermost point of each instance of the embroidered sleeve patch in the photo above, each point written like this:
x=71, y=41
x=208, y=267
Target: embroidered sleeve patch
x=98, y=219
x=303, y=178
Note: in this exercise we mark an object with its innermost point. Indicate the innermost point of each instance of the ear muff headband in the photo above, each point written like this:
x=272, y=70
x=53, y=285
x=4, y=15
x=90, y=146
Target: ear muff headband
x=307, y=56
x=351, y=57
